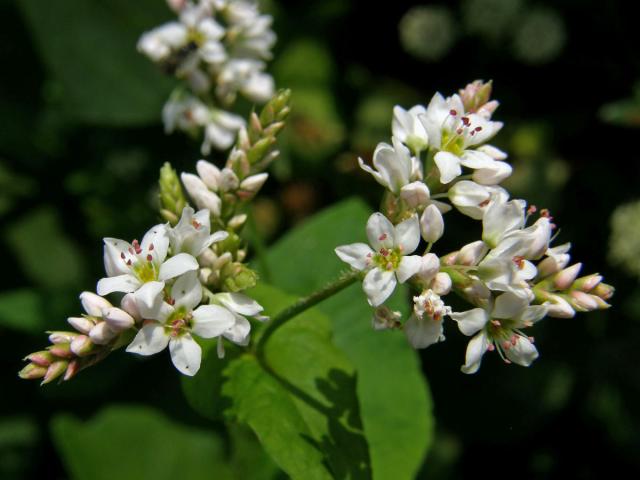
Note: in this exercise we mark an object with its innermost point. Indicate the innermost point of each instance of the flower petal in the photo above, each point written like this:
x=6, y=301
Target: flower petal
x=212, y=320
x=239, y=303
x=508, y=305
x=177, y=265
x=150, y=340
x=378, y=286
x=187, y=291
x=116, y=255
x=409, y=266
x=471, y=321
x=149, y=299
x=523, y=352
x=121, y=283
x=475, y=350
x=158, y=237
x=239, y=332
x=209, y=173
x=358, y=255
x=407, y=234
x=448, y=165
x=380, y=232
x=186, y=354
x=422, y=332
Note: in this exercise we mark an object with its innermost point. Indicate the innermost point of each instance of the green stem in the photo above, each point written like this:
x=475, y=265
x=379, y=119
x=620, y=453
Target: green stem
x=304, y=304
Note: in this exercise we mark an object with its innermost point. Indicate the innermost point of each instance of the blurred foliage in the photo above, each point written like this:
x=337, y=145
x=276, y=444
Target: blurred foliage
x=624, y=244
x=80, y=149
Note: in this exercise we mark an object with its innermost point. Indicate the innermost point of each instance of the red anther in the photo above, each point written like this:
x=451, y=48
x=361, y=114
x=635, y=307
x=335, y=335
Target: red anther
x=129, y=262
x=136, y=246
x=532, y=209
x=384, y=252
x=131, y=250
x=484, y=203
x=452, y=112
x=519, y=261
x=196, y=224
x=491, y=347
x=382, y=237
x=466, y=121
x=459, y=131
x=149, y=258
x=514, y=340
x=369, y=255
x=546, y=214
x=506, y=345
x=122, y=256
x=478, y=129
x=151, y=246
x=389, y=266
x=171, y=301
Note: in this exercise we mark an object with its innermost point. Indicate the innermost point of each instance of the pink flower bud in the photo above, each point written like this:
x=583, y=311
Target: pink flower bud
x=583, y=301
x=603, y=291
x=82, y=345
x=559, y=307
x=62, y=350
x=93, y=304
x=32, y=371
x=101, y=334
x=117, y=319
x=565, y=278
x=587, y=283
x=43, y=358
x=61, y=337
x=54, y=371
x=82, y=324
x=72, y=369
x=471, y=253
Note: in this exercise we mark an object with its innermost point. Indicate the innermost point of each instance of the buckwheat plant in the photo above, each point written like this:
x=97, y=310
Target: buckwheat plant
x=440, y=160
x=186, y=281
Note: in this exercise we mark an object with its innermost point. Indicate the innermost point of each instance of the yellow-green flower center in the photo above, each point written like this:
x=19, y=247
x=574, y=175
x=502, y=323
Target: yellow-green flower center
x=387, y=259
x=145, y=271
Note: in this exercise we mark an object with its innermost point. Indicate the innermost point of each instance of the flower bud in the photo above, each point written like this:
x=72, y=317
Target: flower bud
x=61, y=350
x=209, y=173
x=93, y=304
x=82, y=346
x=228, y=180
x=81, y=324
x=471, y=253
x=32, y=371
x=431, y=224
x=254, y=182
x=384, y=318
x=72, y=369
x=441, y=284
x=204, y=275
x=587, y=283
x=237, y=221
x=43, y=358
x=563, y=279
x=61, y=337
x=54, y=371
x=415, y=194
x=549, y=266
x=222, y=260
x=583, y=301
x=118, y=320
x=237, y=277
x=603, y=291
x=429, y=267
x=101, y=334
x=558, y=307
x=476, y=95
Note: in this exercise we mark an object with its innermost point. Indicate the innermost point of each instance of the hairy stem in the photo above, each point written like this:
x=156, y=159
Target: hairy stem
x=306, y=303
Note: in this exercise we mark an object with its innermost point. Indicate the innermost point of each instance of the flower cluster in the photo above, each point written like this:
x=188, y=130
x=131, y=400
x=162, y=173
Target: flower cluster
x=184, y=280
x=218, y=48
x=439, y=159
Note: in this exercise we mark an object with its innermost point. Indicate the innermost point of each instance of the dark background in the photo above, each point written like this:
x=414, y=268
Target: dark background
x=81, y=144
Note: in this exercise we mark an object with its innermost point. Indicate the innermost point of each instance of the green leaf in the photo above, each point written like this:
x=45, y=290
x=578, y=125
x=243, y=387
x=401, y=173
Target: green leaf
x=46, y=254
x=22, y=310
x=299, y=398
x=129, y=442
x=89, y=47
x=395, y=404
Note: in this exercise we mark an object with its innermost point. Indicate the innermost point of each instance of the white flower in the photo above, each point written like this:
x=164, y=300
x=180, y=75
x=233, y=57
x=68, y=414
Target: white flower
x=501, y=219
x=393, y=165
x=472, y=199
x=452, y=134
x=130, y=265
x=249, y=32
x=221, y=130
x=192, y=234
x=247, y=77
x=499, y=327
x=431, y=224
x=172, y=324
x=556, y=259
x=416, y=194
x=239, y=305
x=407, y=127
x=424, y=327
x=387, y=262
x=161, y=42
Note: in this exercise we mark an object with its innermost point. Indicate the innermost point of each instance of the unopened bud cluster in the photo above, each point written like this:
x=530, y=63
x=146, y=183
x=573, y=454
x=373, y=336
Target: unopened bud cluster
x=219, y=49
x=439, y=159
